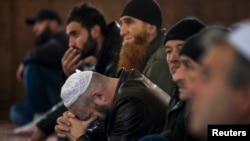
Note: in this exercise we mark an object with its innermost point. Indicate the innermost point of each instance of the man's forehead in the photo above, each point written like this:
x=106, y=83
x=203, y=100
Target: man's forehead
x=124, y=18
x=219, y=56
x=74, y=26
x=185, y=58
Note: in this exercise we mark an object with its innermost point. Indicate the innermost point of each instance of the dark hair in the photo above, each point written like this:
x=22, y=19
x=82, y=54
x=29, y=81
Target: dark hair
x=239, y=74
x=88, y=16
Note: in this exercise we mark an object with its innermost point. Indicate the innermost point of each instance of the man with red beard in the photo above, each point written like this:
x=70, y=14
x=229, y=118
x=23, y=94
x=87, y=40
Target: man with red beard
x=143, y=48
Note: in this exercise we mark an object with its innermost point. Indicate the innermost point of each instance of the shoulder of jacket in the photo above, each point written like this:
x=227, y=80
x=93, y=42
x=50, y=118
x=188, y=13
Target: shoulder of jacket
x=158, y=55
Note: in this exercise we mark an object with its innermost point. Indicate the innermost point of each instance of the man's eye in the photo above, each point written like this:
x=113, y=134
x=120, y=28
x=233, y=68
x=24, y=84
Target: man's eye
x=120, y=23
x=128, y=21
x=188, y=66
x=75, y=34
x=168, y=51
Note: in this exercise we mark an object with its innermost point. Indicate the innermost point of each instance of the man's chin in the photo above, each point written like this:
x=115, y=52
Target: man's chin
x=183, y=95
x=128, y=41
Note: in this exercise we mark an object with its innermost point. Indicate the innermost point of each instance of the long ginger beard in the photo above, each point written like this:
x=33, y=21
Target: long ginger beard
x=133, y=55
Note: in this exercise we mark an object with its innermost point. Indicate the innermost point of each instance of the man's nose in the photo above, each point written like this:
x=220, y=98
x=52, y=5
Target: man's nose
x=71, y=42
x=179, y=74
x=174, y=56
x=123, y=30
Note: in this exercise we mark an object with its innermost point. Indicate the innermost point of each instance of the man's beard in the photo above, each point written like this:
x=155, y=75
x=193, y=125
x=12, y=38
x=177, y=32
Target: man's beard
x=89, y=48
x=133, y=55
x=44, y=36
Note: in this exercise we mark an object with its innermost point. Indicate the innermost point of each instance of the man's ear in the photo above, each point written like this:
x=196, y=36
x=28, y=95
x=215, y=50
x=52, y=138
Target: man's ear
x=95, y=31
x=152, y=29
x=98, y=97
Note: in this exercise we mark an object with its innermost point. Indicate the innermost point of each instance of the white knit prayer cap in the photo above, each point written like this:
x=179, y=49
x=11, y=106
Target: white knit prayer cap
x=75, y=86
x=240, y=38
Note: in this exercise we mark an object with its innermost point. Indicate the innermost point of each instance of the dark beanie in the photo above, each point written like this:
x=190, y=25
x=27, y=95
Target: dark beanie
x=193, y=48
x=195, y=45
x=184, y=29
x=145, y=10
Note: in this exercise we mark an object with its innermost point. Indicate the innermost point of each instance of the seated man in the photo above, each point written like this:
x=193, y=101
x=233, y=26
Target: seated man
x=223, y=92
x=90, y=37
x=130, y=106
x=142, y=48
x=186, y=78
x=175, y=39
x=41, y=69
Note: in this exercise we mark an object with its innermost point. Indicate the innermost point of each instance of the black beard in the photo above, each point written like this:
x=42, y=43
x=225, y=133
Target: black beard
x=44, y=36
x=89, y=48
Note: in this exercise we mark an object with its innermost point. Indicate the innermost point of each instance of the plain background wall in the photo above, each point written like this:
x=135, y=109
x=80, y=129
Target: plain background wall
x=16, y=38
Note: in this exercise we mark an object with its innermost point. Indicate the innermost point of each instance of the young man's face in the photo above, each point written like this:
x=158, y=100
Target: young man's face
x=80, y=39
x=77, y=35
x=214, y=101
x=133, y=29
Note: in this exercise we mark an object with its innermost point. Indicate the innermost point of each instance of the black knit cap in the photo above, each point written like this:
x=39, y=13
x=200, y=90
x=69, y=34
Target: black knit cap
x=184, y=29
x=44, y=14
x=196, y=45
x=192, y=48
x=145, y=10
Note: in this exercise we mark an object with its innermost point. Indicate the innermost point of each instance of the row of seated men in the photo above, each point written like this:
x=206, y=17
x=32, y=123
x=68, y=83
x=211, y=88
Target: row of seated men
x=129, y=80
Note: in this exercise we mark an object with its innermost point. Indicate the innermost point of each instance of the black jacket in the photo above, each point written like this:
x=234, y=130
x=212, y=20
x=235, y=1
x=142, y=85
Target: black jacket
x=139, y=109
x=106, y=65
x=107, y=62
x=176, y=123
x=49, y=52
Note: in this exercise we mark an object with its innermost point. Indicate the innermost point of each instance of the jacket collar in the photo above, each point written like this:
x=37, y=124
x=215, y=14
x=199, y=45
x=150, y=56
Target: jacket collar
x=157, y=41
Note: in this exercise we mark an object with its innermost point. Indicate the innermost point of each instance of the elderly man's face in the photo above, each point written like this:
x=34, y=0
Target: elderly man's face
x=187, y=76
x=172, y=54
